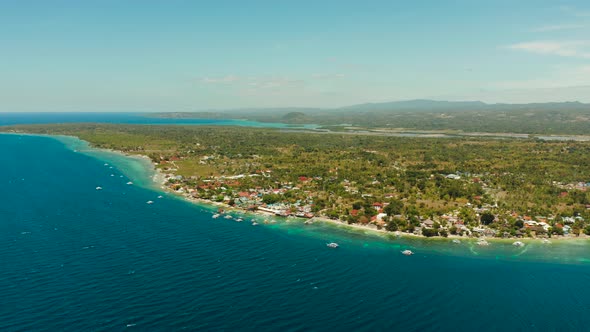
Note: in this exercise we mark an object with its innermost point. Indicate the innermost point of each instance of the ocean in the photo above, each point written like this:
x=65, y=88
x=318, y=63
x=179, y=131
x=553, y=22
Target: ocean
x=7, y=118
x=73, y=258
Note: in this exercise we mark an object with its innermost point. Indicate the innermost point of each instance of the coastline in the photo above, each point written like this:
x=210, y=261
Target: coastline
x=158, y=178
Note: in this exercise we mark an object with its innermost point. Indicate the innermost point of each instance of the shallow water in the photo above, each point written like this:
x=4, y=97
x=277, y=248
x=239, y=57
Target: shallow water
x=74, y=258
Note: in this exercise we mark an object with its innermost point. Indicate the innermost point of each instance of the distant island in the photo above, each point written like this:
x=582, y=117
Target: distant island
x=420, y=186
x=567, y=118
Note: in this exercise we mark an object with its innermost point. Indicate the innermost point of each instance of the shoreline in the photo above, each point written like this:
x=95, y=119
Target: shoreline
x=159, y=178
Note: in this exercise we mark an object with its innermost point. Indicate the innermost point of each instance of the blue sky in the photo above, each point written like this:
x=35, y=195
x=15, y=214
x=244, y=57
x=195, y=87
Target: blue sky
x=194, y=55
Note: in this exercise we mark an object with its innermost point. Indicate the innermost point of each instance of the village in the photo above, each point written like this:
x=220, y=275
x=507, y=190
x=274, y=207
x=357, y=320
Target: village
x=301, y=199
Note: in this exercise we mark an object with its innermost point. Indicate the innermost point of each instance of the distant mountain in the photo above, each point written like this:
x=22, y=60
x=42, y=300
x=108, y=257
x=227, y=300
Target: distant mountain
x=417, y=104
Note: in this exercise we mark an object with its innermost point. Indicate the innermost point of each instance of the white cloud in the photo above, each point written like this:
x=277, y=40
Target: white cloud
x=223, y=80
x=559, y=27
x=558, y=77
x=573, y=48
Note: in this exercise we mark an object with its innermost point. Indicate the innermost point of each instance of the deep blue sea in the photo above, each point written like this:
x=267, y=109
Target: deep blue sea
x=73, y=258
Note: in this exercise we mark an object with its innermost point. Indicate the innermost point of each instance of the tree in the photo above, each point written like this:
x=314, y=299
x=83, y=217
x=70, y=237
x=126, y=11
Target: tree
x=391, y=226
x=487, y=218
x=271, y=198
x=429, y=232
x=394, y=207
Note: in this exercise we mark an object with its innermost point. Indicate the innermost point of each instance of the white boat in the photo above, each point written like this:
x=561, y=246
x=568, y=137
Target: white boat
x=456, y=241
x=215, y=216
x=228, y=217
x=129, y=183
x=160, y=196
x=408, y=252
x=518, y=244
x=98, y=188
x=239, y=220
x=254, y=223
x=150, y=202
x=112, y=174
x=482, y=242
x=308, y=222
x=332, y=245
x=106, y=164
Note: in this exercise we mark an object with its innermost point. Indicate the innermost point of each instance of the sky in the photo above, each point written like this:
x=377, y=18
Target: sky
x=172, y=55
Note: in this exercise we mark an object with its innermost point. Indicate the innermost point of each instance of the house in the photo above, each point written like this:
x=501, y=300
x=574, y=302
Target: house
x=428, y=223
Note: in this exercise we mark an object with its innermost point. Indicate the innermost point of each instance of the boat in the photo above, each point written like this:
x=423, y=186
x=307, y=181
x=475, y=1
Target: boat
x=482, y=242
x=150, y=202
x=456, y=241
x=228, y=217
x=518, y=244
x=308, y=222
x=254, y=223
x=215, y=216
x=332, y=245
x=129, y=183
x=106, y=164
x=98, y=188
x=239, y=220
x=546, y=241
x=408, y=252
x=160, y=196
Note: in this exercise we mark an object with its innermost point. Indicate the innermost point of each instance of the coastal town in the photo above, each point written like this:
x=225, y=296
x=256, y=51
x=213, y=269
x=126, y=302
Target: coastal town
x=386, y=213
x=427, y=187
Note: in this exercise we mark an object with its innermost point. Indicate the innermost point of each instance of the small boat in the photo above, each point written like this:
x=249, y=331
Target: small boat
x=129, y=183
x=518, y=244
x=112, y=174
x=254, y=223
x=408, y=252
x=239, y=220
x=545, y=241
x=228, y=217
x=215, y=216
x=456, y=241
x=308, y=222
x=98, y=188
x=482, y=242
x=150, y=202
x=333, y=245
x=160, y=196
x=106, y=164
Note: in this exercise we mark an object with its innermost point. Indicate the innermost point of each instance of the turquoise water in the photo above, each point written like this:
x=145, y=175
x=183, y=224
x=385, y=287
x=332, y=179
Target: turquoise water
x=130, y=118
x=77, y=259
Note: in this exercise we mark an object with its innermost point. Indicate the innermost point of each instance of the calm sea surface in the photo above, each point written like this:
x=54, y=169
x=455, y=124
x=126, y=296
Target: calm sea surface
x=73, y=258
x=127, y=118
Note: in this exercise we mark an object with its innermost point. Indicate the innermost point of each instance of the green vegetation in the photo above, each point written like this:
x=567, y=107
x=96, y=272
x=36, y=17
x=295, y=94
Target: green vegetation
x=569, y=118
x=513, y=187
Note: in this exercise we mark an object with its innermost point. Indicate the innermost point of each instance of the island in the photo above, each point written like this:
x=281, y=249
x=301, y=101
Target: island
x=509, y=187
